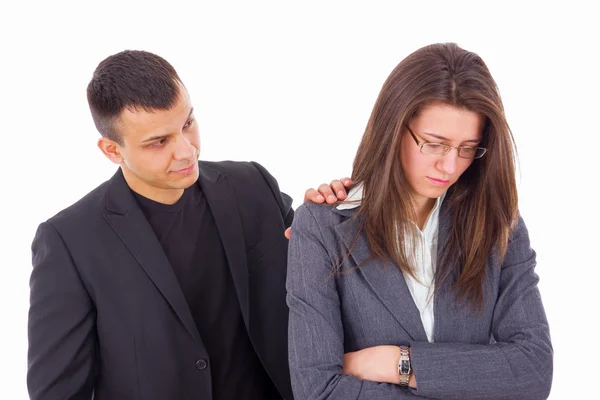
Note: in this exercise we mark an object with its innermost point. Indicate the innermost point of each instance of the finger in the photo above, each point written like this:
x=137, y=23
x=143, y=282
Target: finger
x=327, y=193
x=314, y=196
x=338, y=188
x=287, y=233
x=347, y=181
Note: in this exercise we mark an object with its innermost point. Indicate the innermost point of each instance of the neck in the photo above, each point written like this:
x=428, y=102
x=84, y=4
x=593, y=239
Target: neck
x=423, y=208
x=164, y=196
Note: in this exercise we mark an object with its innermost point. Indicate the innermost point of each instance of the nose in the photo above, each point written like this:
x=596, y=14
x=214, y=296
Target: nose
x=448, y=163
x=184, y=150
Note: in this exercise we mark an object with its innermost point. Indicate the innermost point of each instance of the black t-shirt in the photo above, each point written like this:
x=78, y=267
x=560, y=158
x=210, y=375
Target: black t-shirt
x=188, y=235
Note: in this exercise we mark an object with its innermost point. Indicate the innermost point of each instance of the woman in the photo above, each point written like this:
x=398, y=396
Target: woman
x=421, y=284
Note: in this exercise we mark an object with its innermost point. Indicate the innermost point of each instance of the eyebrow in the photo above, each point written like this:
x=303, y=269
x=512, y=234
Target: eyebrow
x=433, y=135
x=159, y=137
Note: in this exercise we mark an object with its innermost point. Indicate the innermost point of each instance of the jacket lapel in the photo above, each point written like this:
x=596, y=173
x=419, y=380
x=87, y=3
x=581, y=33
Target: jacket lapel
x=222, y=202
x=386, y=281
x=129, y=223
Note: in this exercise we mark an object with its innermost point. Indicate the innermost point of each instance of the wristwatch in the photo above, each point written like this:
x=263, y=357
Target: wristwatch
x=404, y=366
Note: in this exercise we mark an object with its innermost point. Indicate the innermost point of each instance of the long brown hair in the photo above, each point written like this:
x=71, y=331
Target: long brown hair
x=482, y=203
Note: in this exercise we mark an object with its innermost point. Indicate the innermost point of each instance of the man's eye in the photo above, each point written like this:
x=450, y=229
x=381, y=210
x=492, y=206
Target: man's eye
x=159, y=143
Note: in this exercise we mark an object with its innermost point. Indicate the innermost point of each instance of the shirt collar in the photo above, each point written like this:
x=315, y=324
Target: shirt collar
x=355, y=196
x=353, y=199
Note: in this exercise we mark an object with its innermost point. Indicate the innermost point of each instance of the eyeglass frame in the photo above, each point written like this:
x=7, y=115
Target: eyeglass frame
x=448, y=148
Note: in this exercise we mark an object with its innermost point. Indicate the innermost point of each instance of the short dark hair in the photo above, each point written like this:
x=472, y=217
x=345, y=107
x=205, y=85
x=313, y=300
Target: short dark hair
x=131, y=78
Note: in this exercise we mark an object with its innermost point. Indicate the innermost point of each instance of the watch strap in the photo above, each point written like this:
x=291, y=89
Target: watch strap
x=404, y=367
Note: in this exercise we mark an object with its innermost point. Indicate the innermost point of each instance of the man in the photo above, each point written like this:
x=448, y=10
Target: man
x=168, y=280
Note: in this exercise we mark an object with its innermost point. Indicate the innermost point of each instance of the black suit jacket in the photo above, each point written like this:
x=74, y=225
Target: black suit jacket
x=107, y=315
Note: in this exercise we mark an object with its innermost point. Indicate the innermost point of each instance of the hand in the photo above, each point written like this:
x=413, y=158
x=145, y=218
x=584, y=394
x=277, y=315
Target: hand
x=331, y=193
x=378, y=364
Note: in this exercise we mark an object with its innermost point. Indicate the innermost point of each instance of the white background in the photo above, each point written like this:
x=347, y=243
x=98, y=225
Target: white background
x=291, y=85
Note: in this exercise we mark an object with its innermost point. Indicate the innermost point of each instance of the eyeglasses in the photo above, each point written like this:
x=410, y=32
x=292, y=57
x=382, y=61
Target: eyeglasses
x=439, y=149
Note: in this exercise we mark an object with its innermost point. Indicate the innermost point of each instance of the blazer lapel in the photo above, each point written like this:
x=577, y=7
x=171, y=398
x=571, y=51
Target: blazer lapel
x=129, y=223
x=386, y=281
x=222, y=202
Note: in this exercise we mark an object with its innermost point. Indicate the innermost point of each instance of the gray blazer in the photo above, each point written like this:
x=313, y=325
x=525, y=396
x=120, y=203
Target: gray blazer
x=503, y=353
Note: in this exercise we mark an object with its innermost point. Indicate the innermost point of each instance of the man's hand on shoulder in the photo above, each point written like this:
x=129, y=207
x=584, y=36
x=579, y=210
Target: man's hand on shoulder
x=336, y=190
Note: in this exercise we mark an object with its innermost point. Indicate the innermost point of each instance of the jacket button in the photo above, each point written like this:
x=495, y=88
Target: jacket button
x=201, y=364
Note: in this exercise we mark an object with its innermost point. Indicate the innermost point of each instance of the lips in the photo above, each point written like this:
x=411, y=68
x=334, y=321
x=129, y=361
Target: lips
x=185, y=170
x=438, y=182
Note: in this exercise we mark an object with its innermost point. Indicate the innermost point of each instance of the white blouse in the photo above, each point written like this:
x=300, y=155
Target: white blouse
x=425, y=255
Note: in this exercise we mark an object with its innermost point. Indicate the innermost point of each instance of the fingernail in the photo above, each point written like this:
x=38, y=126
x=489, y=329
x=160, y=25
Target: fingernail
x=341, y=193
x=332, y=197
x=320, y=198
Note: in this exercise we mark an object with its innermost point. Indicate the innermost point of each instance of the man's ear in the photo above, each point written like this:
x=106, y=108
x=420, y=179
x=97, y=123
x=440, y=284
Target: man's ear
x=111, y=149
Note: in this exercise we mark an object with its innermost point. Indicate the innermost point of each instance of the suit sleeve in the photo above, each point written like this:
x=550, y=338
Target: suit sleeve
x=315, y=333
x=283, y=200
x=519, y=364
x=61, y=326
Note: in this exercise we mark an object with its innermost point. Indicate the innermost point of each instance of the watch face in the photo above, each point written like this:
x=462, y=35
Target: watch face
x=404, y=367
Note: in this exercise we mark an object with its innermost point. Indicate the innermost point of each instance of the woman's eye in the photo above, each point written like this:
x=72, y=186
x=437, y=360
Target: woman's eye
x=189, y=123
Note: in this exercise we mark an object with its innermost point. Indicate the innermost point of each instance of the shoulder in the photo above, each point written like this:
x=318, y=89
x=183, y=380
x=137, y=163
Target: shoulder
x=519, y=247
x=242, y=174
x=255, y=188
x=235, y=169
x=518, y=239
x=326, y=213
x=519, y=230
x=321, y=230
x=324, y=218
x=248, y=179
x=85, y=209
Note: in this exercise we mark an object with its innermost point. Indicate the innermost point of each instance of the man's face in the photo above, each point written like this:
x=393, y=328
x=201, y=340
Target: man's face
x=159, y=150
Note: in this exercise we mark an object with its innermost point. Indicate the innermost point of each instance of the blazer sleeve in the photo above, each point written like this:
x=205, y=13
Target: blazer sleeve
x=283, y=200
x=519, y=364
x=315, y=333
x=61, y=326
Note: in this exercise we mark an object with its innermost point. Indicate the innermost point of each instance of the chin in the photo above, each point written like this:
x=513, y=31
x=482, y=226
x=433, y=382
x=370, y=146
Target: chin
x=434, y=193
x=182, y=182
x=190, y=179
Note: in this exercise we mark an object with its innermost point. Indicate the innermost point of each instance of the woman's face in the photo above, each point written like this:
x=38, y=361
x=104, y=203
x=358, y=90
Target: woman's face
x=430, y=176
